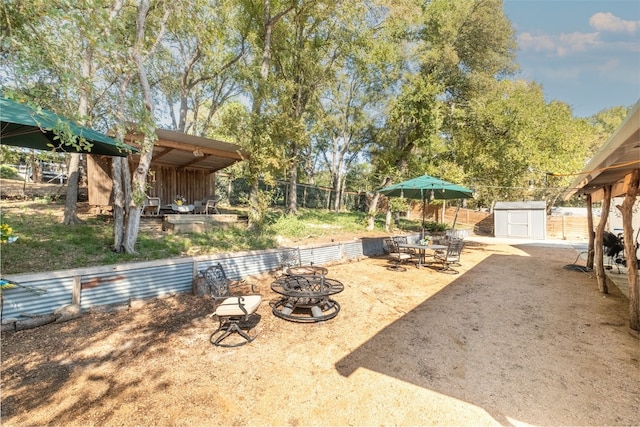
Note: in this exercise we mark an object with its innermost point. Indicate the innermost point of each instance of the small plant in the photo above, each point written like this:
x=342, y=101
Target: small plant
x=180, y=200
x=5, y=232
x=425, y=241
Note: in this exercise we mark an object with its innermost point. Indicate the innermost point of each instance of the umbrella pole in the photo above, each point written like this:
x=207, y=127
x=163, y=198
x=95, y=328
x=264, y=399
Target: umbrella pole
x=424, y=209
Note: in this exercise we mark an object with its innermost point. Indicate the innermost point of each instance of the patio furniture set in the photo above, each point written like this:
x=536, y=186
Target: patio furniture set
x=206, y=206
x=306, y=294
x=400, y=251
x=305, y=297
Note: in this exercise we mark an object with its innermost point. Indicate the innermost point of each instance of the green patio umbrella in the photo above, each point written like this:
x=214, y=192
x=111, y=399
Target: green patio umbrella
x=24, y=126
x=425, y=188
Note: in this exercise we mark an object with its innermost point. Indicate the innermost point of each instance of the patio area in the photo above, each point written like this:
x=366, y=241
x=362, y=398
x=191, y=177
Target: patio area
x=514, y=339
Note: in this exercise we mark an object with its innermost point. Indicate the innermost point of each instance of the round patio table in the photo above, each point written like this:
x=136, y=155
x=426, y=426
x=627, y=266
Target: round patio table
x=306, y=298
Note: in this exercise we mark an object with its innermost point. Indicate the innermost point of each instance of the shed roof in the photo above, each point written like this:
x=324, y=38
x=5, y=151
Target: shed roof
x=526, y=205
x=615, y=160
x=180, y=150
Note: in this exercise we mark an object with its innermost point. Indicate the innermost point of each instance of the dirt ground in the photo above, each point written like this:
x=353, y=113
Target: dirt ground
x=514, y=339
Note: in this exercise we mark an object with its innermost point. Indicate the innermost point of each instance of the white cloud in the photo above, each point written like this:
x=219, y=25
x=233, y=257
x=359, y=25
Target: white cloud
x=602, y=21
x=562, y=44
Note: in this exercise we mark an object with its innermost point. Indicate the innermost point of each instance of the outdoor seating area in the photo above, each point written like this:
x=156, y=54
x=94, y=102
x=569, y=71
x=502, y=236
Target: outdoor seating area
x=425, y=253
x=208, y=206
x=429, y=348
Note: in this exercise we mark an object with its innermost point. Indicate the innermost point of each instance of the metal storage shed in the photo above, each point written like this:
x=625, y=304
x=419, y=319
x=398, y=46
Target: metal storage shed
x=520, y=219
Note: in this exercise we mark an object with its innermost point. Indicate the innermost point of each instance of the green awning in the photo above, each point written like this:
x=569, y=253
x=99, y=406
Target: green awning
x=24, y=126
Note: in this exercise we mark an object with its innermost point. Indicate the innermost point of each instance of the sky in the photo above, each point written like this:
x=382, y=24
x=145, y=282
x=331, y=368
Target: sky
x=585, y=53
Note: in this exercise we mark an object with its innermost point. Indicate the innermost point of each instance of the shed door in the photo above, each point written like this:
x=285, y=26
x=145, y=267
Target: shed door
x=518, y=223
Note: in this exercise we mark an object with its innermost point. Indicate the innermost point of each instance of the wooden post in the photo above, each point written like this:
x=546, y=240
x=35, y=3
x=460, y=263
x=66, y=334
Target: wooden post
x=76, y=292
x=630, y=249
x=590, y=230
x=599, y=252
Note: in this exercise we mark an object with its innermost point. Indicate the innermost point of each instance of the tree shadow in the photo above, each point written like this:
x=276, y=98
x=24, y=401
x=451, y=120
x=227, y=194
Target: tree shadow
x=36, y=376
x=492, y=340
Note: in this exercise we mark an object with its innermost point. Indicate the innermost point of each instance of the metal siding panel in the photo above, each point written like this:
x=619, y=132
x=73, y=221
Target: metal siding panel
x=142, y=283
x=19, y=300
x=352, y=250
x=237, y=267
x=118, y=284
x=372, y=246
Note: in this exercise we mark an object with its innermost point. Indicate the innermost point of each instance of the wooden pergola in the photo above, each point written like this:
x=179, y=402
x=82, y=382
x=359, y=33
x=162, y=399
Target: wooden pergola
x=182, y=165
x=614, y=172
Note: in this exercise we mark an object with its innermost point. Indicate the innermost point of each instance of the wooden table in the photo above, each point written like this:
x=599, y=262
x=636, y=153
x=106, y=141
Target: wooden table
x=422, y=250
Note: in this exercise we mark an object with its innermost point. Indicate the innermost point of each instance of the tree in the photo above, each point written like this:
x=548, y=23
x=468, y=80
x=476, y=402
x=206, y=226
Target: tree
x=197, y=65
x=264, y=154
x=46, y=42
x=515, y=145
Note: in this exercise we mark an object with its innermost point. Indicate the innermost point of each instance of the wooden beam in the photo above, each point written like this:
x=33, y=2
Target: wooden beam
x=160, y=154
x=617, y=189
x=205, y=150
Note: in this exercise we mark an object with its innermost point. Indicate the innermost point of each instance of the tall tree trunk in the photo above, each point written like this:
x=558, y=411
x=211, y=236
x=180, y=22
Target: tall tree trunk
x=599, y=252
x=373, y=207
x=292, y=199
x=630, y=250
x=256, y=109
x=121, y=180
x=71, y=202
x=139, y=178
x=292, y=202
x=118, y=204
x=73, y=181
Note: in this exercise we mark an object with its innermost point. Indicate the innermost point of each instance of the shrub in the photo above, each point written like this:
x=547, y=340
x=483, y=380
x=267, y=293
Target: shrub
x=434, y=227
x=8, y=172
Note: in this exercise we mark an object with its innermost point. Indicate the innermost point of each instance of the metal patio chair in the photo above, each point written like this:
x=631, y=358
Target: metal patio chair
x=398, y=240
x=211, y=204
x=236, y=313
x=290, y=260
x=395, y=255
x=450, y=257
x=152, y=203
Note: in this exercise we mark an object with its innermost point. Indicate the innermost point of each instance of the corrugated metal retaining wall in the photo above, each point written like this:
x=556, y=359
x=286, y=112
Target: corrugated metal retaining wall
x=118, y=284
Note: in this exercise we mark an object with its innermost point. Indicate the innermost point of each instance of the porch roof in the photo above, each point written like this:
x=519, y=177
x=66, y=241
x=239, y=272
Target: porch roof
x=180, y=150
x=613, y=163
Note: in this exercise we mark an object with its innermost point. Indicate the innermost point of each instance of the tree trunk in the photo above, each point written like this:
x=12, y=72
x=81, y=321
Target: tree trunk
x=255, y=213
x=71, y=202
x=630, y=249
x=335, y=185
x=599, y=253
x=120, y=173
x=292, y=200
x=73, y=181
x=118, y=204
x=387, y=221
x=139, y=179
x=371, y=212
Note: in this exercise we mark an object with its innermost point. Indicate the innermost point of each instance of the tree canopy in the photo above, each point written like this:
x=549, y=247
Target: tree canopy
x=314, y=89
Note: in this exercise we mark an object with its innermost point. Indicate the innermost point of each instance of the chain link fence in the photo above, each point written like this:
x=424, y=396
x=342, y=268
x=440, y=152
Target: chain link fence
x=236, y=193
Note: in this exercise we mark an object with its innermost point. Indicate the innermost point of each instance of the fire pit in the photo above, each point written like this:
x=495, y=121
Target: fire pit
x=306, y=298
